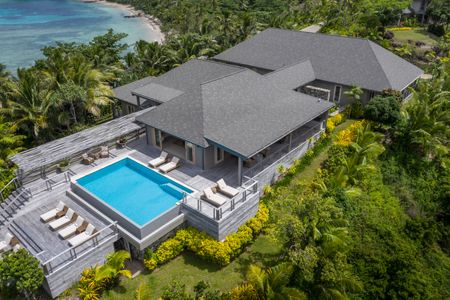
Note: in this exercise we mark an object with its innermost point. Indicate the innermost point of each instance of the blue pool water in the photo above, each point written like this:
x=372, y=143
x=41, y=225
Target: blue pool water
x=26, y=26
x=134, y=190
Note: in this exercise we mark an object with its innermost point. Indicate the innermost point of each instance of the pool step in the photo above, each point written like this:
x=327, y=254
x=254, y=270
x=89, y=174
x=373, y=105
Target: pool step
x=173, y=189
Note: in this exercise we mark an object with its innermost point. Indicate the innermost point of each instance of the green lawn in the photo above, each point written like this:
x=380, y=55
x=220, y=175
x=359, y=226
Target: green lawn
x=416, y=34
x=189, y=269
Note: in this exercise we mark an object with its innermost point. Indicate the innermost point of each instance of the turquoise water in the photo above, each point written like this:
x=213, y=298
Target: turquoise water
x=134, y=190
x=26, y=26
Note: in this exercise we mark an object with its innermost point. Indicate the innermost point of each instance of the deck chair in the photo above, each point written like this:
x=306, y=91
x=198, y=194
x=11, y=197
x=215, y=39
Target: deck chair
x=63, y=221
x=154, y=163
x=71, y=229
x=226, y=189
x=213, y=198
x=5, y=245
x=104, y=152
x=53, y=213
x=17, y=247
x=86, y=159
x=171, y=165
x=83, y=237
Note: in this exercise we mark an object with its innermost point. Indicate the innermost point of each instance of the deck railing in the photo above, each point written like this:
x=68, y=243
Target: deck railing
x=65, y=258
x=247, y=189
x=284, y=150
x=12, y=185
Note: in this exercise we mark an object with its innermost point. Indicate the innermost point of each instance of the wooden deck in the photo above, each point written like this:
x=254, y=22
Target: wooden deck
x=50, y=153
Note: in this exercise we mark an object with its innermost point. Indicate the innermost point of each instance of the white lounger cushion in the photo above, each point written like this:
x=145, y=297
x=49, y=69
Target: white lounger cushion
x=64, y=220
x=159, y=160
x=5, y=244
x=226, y=189
x=82, y=237
x=52, y=213
x=71, y=229
x=170, y=165
x=213, y=198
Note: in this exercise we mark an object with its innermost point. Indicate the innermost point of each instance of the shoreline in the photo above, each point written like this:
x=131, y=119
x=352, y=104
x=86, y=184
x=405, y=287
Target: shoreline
x=153, y=23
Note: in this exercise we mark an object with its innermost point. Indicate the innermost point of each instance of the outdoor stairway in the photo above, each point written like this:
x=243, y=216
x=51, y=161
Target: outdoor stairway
x=24, y=238
x=12, y=204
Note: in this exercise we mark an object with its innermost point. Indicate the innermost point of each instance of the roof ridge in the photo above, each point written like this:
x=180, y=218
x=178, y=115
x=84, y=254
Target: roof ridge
x=378, y=62
x=291, y=65
x=224, y=76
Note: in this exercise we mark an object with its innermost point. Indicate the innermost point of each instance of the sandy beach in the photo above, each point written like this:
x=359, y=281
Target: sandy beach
x=152, y=22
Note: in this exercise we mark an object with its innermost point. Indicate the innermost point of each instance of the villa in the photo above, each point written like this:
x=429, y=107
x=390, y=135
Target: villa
x=195, y=146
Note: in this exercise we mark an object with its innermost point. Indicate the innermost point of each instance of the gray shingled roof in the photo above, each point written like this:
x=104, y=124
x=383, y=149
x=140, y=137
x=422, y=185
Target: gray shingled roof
x=243, y=112
x=181, y=79
x=344, y=60
x=294, y=76
x=124, y=92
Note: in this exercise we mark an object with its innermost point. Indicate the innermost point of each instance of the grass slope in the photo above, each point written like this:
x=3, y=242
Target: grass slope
x=416, y=34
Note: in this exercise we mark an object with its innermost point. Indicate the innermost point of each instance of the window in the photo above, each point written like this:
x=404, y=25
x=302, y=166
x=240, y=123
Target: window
x=337, y=94
x=189, y=151
x=158, y=139
x=218, y=155
x=371, y=95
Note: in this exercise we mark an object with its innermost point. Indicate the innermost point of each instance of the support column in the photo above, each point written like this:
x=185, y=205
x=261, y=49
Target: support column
x=239, y=170
x=290, y=142
x=138, y=102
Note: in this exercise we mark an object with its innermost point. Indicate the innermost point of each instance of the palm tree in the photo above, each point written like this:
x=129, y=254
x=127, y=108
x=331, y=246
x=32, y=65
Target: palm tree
x=114, y=267
x=426, y=118
x=365, y=149
x=10, y=142
x=29, y=102
x=272, y=283
x=5, y=83
x=74, y=69
x=151, y=58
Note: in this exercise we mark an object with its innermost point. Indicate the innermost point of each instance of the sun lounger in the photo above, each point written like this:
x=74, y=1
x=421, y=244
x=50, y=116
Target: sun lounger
x=226, y=189
x=213, y=198
x=83, y=237
x=51, y=214
x=5, y=245
x=86, y=159
x=63, y=221
x=154, y=163
x=72, y=228
x=104, y=152
x=173, y=164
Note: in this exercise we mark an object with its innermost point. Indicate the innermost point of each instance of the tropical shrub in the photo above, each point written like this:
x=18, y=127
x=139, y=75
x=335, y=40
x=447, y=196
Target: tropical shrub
x=207, y=247
x=96, y=279
x=20, y=273
x=334, y=121
x=88, y=287
x=383, y=110
x=244, y=291
x=348, y=135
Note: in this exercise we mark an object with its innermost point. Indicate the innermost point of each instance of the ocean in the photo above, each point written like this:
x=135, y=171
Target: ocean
x=26, y=26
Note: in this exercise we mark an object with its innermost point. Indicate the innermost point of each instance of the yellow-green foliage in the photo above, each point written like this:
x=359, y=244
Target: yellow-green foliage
x=244, y=291
x=334, y=121
x=206, y=246
x=400, y=28
x=168, y=250
x=347, y=136
x=150, y=263
x=88, y=287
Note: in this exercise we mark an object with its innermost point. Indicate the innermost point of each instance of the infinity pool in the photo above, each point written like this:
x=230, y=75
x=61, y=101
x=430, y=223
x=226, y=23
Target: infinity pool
x=132, y=189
